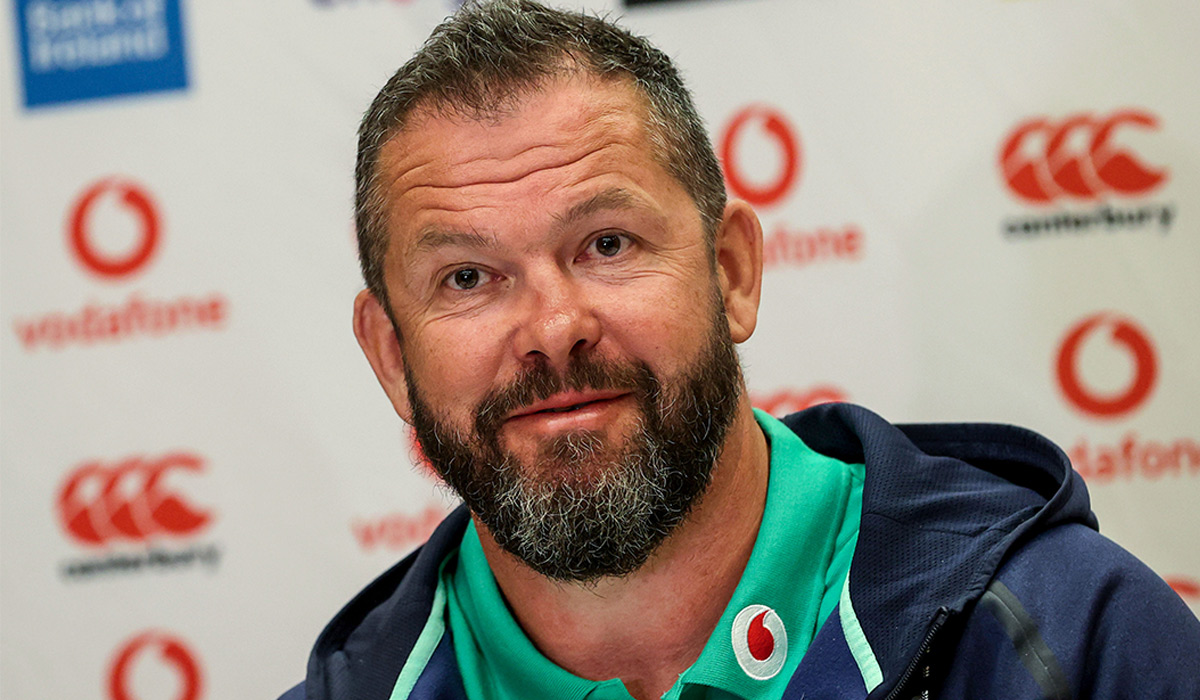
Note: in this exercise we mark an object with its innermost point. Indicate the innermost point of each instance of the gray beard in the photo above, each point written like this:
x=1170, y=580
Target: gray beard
x=586, y=509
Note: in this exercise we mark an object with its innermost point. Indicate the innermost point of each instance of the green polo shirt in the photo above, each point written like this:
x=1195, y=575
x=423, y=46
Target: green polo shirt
x=792, y=582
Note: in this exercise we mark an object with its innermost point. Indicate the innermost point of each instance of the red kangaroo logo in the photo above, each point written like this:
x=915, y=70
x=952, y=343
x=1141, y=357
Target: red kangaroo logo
x=1059, y=169
x=98, y=503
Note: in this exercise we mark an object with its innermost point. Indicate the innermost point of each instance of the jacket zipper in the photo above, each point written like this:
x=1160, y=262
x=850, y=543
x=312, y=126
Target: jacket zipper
x=920, y=662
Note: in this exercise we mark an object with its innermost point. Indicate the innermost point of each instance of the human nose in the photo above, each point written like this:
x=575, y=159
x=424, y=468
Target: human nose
x=558, y=321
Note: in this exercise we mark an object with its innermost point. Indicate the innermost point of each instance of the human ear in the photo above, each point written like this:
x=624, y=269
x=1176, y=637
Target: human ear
x=379, y=343
x=739, y=267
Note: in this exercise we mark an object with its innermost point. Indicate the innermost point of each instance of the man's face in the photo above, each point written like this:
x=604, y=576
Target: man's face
x=568, y=364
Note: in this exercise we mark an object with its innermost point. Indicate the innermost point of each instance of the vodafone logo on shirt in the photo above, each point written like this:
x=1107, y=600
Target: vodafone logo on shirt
x=1124, y=336
x=142, y=219
x=1078, y=157
x=128, y=679
x=759, y=642
x=129, y=501
x=743, y=176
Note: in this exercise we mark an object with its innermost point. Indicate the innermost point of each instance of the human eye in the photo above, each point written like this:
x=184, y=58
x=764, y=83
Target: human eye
x=466, y=278
x=609, y=244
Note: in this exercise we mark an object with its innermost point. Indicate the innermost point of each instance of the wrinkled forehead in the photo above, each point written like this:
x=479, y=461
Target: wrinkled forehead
x=556, y=131
x=601, y=103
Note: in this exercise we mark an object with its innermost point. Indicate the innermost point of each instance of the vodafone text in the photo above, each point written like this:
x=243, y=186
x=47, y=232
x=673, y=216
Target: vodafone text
x=397, y=531
x=798, y=248
x=1134, y=458
x=136, y=317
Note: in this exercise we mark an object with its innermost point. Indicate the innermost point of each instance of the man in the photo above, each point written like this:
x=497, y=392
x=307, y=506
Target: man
x=555, y=286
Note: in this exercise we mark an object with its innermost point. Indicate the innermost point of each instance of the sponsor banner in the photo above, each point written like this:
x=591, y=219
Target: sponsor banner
x=1092, y=385
x=1077, y=163
x=956, y=227
x=762, y=156
x=74, y=50
x=133, y=516
x=115, y=230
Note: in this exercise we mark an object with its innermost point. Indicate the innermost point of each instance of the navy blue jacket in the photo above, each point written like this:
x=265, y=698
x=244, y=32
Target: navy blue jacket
x=978, y=573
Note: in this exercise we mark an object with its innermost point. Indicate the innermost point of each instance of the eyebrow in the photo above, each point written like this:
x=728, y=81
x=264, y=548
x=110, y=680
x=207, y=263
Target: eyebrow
x=613, y=198
x=432, y=238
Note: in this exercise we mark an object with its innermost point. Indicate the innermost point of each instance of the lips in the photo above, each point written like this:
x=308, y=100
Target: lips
x=566, y=402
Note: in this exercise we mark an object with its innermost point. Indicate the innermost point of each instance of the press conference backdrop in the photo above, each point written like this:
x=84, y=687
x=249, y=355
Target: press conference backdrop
x=972, y=211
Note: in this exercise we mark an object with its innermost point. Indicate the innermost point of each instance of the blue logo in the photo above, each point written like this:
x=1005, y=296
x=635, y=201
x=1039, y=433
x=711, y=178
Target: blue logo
x=75, y=50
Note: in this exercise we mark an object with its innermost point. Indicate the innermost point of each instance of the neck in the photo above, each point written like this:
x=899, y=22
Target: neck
x=597, y=631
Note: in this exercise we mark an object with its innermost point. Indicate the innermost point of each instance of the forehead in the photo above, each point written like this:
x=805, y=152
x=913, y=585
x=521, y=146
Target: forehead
x=572, y=132
x=574, y=106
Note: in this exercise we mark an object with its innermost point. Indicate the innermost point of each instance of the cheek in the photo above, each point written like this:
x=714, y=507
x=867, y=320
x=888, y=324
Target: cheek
x=661, y=322
x=455, y=364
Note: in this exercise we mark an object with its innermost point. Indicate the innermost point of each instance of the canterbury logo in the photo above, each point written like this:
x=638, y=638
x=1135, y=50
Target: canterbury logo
x=1043, y=160
x=128, y=501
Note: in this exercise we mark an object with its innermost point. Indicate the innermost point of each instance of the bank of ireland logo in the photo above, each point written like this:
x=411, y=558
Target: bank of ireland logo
x=1124, y=336
x=1078, y=157
x=74, y=50
x=114, y=228
x=158, y=648
x=759, y=641
x=770, y=124
x=129, y=501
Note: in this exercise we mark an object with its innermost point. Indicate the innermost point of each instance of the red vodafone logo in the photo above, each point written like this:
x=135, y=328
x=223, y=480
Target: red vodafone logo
x=759, y=641
x=785, y=401
x=1126, y=336
x=772, y=124
x=1043, y=160
x=163, y=649
x=135, y=204
x=129, y=500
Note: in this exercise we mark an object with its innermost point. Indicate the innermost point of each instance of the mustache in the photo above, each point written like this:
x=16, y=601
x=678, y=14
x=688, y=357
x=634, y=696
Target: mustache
x=539, y=381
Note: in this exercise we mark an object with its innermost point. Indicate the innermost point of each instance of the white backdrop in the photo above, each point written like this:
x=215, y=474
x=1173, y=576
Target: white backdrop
x=973, y=211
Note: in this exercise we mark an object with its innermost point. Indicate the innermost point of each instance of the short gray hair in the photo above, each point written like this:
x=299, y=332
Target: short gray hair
x=488, y=55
